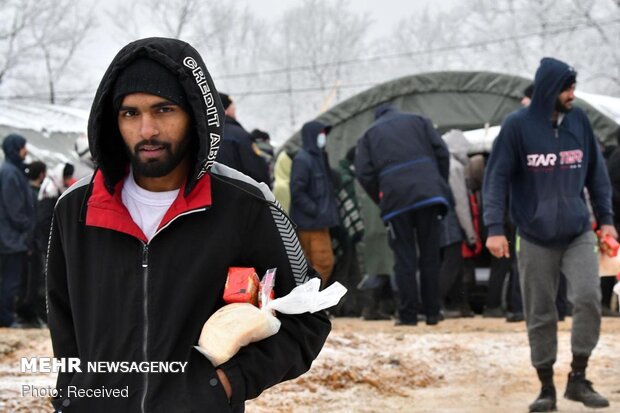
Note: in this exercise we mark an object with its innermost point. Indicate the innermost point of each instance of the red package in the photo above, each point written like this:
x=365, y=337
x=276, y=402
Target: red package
x=611, y=245
x=241, y=286
x=608, y=244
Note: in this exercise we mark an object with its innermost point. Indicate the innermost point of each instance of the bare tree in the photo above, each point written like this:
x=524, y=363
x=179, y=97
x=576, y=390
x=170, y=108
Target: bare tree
x=59, y=29
x=14, y=45
x=177, y=15
x=313, y=46
x=512, y=35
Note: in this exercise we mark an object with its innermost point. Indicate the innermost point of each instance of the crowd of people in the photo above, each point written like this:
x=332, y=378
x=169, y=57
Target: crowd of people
x=535, y=202
x=529, y=205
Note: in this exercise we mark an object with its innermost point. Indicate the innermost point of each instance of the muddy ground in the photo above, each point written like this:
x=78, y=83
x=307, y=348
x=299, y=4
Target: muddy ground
x=464, y=365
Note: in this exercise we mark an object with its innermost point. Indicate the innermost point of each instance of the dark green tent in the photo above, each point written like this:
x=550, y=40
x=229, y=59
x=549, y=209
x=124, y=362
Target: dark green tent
x=453, y=100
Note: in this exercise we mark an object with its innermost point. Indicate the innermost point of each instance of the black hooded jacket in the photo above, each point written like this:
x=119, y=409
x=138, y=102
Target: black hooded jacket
x=115, y=296
x=543, y=170
x=313, y=198
x=17, y=205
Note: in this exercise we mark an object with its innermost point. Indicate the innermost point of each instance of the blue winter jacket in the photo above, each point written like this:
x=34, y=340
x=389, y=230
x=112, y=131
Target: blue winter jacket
x=17, y=213
x=402, y=163
x=313, y=198
x=545, y=170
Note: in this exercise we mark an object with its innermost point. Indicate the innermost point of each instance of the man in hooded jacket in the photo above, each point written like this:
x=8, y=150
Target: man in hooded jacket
x=237, y=148
x=403, y=165
x=314, y=208
x=544, y=157
x=139, y=253
x=17, y=219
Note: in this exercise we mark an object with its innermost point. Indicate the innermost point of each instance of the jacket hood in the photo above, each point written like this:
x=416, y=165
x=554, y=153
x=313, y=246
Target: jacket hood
x=105, y=142
x=458, y=145
x=550, y=77
x=382, y=109
x=309, y=133
x=11, y=145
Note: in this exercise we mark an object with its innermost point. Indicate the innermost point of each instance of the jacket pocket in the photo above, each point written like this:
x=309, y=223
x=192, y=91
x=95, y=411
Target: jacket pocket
x=559, y=219
x=203, y=386
x=544, y=223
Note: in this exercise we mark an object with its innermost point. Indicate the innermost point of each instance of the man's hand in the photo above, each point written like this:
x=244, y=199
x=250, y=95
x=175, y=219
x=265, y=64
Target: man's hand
x=609, y=230
x=225, y=383
x=498, y=246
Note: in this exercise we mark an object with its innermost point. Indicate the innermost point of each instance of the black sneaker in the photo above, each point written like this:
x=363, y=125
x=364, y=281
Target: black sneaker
x=400, y=322
x=514, y=317
x=493, y=313
x=579, y=389
x=374, y=316
x=545, y=402
x=433, y=320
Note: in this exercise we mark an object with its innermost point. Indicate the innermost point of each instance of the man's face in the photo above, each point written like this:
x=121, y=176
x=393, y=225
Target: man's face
x=155, y=131
x=564, y=102
x=22, y=153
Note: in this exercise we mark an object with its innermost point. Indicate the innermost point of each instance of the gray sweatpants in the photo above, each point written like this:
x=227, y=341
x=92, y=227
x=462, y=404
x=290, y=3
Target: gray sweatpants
x=539, y=272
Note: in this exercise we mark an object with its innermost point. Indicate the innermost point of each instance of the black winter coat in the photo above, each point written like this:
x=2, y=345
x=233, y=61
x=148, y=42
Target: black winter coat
x=236, y=151
x=402, y=163
x=17, y=208
x=313, y=197
x=115, y=296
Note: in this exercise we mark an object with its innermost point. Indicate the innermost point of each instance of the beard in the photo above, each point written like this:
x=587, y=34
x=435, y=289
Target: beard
x=562, y=107
x=157, y=168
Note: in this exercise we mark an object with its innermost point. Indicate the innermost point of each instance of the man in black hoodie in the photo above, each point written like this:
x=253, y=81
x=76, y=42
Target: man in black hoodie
x=543, y=158
x=17, y=219
x=139, y=253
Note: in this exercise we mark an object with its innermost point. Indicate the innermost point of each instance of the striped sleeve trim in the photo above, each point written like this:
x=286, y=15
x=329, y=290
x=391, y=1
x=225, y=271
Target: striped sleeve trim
x=296, y=257
x=228, y=172
x=295, y=254
x=82, y=182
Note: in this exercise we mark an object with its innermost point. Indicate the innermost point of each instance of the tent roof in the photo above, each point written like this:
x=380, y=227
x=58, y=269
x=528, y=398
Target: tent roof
x=452, y=99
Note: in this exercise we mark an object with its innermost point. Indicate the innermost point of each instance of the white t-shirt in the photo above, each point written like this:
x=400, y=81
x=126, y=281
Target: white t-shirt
x=146, y=208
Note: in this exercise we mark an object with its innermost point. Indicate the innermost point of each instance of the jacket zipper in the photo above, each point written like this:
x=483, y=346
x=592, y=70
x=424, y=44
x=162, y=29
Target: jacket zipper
x=145, y=301
x=145, y=307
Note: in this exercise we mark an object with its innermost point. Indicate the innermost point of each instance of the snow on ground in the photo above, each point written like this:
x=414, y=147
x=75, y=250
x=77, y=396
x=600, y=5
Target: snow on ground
x=465, y=366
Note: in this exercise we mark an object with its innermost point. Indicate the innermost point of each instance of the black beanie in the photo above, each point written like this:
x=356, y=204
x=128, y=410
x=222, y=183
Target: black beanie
x=147, y=76
x=226, y=100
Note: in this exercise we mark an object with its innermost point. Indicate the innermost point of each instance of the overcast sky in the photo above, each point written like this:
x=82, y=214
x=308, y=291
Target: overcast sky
x=384, y=13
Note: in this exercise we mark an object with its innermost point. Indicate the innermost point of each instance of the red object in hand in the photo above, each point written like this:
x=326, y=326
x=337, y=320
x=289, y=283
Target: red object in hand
x=608, y=244
x=241, y=286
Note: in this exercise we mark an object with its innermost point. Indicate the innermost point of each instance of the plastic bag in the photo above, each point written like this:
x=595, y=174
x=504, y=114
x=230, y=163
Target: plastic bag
x=236, y=325
x=306, y=298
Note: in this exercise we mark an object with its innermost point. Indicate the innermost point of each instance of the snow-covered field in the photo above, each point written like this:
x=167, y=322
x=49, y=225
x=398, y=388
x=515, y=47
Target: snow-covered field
x=465, y=365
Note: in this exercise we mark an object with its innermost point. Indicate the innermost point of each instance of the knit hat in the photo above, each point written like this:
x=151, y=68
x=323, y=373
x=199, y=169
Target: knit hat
x=226, y=100
x=258, y=135
x=147, y=76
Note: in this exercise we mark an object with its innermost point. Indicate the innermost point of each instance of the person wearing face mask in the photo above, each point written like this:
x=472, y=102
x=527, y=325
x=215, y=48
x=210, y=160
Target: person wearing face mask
x=313, y=199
